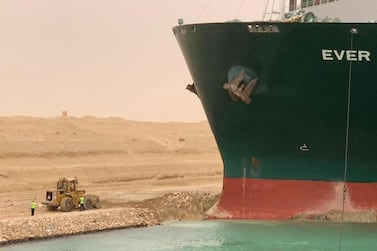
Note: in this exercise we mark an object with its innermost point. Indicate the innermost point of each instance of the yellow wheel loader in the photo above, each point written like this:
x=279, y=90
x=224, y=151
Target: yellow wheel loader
x=66, y=197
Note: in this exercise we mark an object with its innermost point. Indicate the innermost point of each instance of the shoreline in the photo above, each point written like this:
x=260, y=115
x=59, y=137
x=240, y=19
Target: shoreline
x=146, y=213
x=25, y=240
x=151, y=212
x=46, y=235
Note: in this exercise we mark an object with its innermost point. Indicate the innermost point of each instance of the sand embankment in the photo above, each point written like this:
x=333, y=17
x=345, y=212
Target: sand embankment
x=124, y=162
x=150, y=212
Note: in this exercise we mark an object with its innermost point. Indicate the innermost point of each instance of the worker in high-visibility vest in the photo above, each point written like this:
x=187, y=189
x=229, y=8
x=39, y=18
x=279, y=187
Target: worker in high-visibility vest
x=32, y=207
x=81, y=202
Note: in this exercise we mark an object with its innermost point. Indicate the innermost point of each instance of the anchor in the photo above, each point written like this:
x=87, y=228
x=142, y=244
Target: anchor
x=237, y=88
x=192, y=88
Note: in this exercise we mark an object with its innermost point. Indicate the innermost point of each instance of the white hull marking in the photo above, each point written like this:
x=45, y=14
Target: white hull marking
x=348, y=55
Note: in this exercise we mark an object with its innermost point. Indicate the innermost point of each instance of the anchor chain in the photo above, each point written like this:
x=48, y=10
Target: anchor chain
x=353, y=31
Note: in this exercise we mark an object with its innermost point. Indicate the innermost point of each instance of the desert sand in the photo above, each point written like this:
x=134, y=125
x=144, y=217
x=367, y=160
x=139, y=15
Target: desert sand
x=124, y=162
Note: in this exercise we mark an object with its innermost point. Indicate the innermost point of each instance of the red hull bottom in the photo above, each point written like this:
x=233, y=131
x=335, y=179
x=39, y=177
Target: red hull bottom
x=285, y=199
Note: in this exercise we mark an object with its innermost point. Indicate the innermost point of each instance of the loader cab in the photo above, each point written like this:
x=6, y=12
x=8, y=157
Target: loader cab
x=67, y=184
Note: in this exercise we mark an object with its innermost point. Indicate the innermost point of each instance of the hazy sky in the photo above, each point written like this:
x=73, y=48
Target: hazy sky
x=103, y=58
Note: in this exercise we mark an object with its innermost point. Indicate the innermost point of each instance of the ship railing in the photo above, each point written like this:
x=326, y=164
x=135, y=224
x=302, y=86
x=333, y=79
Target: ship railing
x=296, y=11
x=311, y=3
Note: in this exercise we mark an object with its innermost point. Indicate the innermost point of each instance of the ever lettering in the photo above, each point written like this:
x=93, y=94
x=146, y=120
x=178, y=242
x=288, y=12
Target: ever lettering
x=348, y=55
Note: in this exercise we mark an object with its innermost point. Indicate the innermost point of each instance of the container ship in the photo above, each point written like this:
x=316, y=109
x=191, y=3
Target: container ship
x=291, y=104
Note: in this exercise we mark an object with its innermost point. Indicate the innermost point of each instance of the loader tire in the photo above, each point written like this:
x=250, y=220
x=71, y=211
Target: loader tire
x=98, y=205
x=66, y=204
x=88, y=204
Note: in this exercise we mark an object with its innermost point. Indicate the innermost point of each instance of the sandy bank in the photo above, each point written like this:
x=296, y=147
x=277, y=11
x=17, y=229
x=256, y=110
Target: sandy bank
x=150, y=212
x=127, y=163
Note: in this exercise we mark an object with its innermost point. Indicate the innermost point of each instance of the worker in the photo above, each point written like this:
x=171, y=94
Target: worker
x=32, y=207
x=81, y=202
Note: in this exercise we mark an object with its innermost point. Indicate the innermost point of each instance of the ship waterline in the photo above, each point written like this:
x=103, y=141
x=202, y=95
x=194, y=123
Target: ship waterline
x=290, y=199
x=291, y=106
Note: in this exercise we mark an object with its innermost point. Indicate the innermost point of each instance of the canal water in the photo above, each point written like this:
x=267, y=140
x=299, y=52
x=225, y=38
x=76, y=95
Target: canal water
x=221, y=235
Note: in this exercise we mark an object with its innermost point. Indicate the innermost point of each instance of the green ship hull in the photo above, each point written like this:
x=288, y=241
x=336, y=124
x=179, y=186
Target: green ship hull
x=292, y=108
